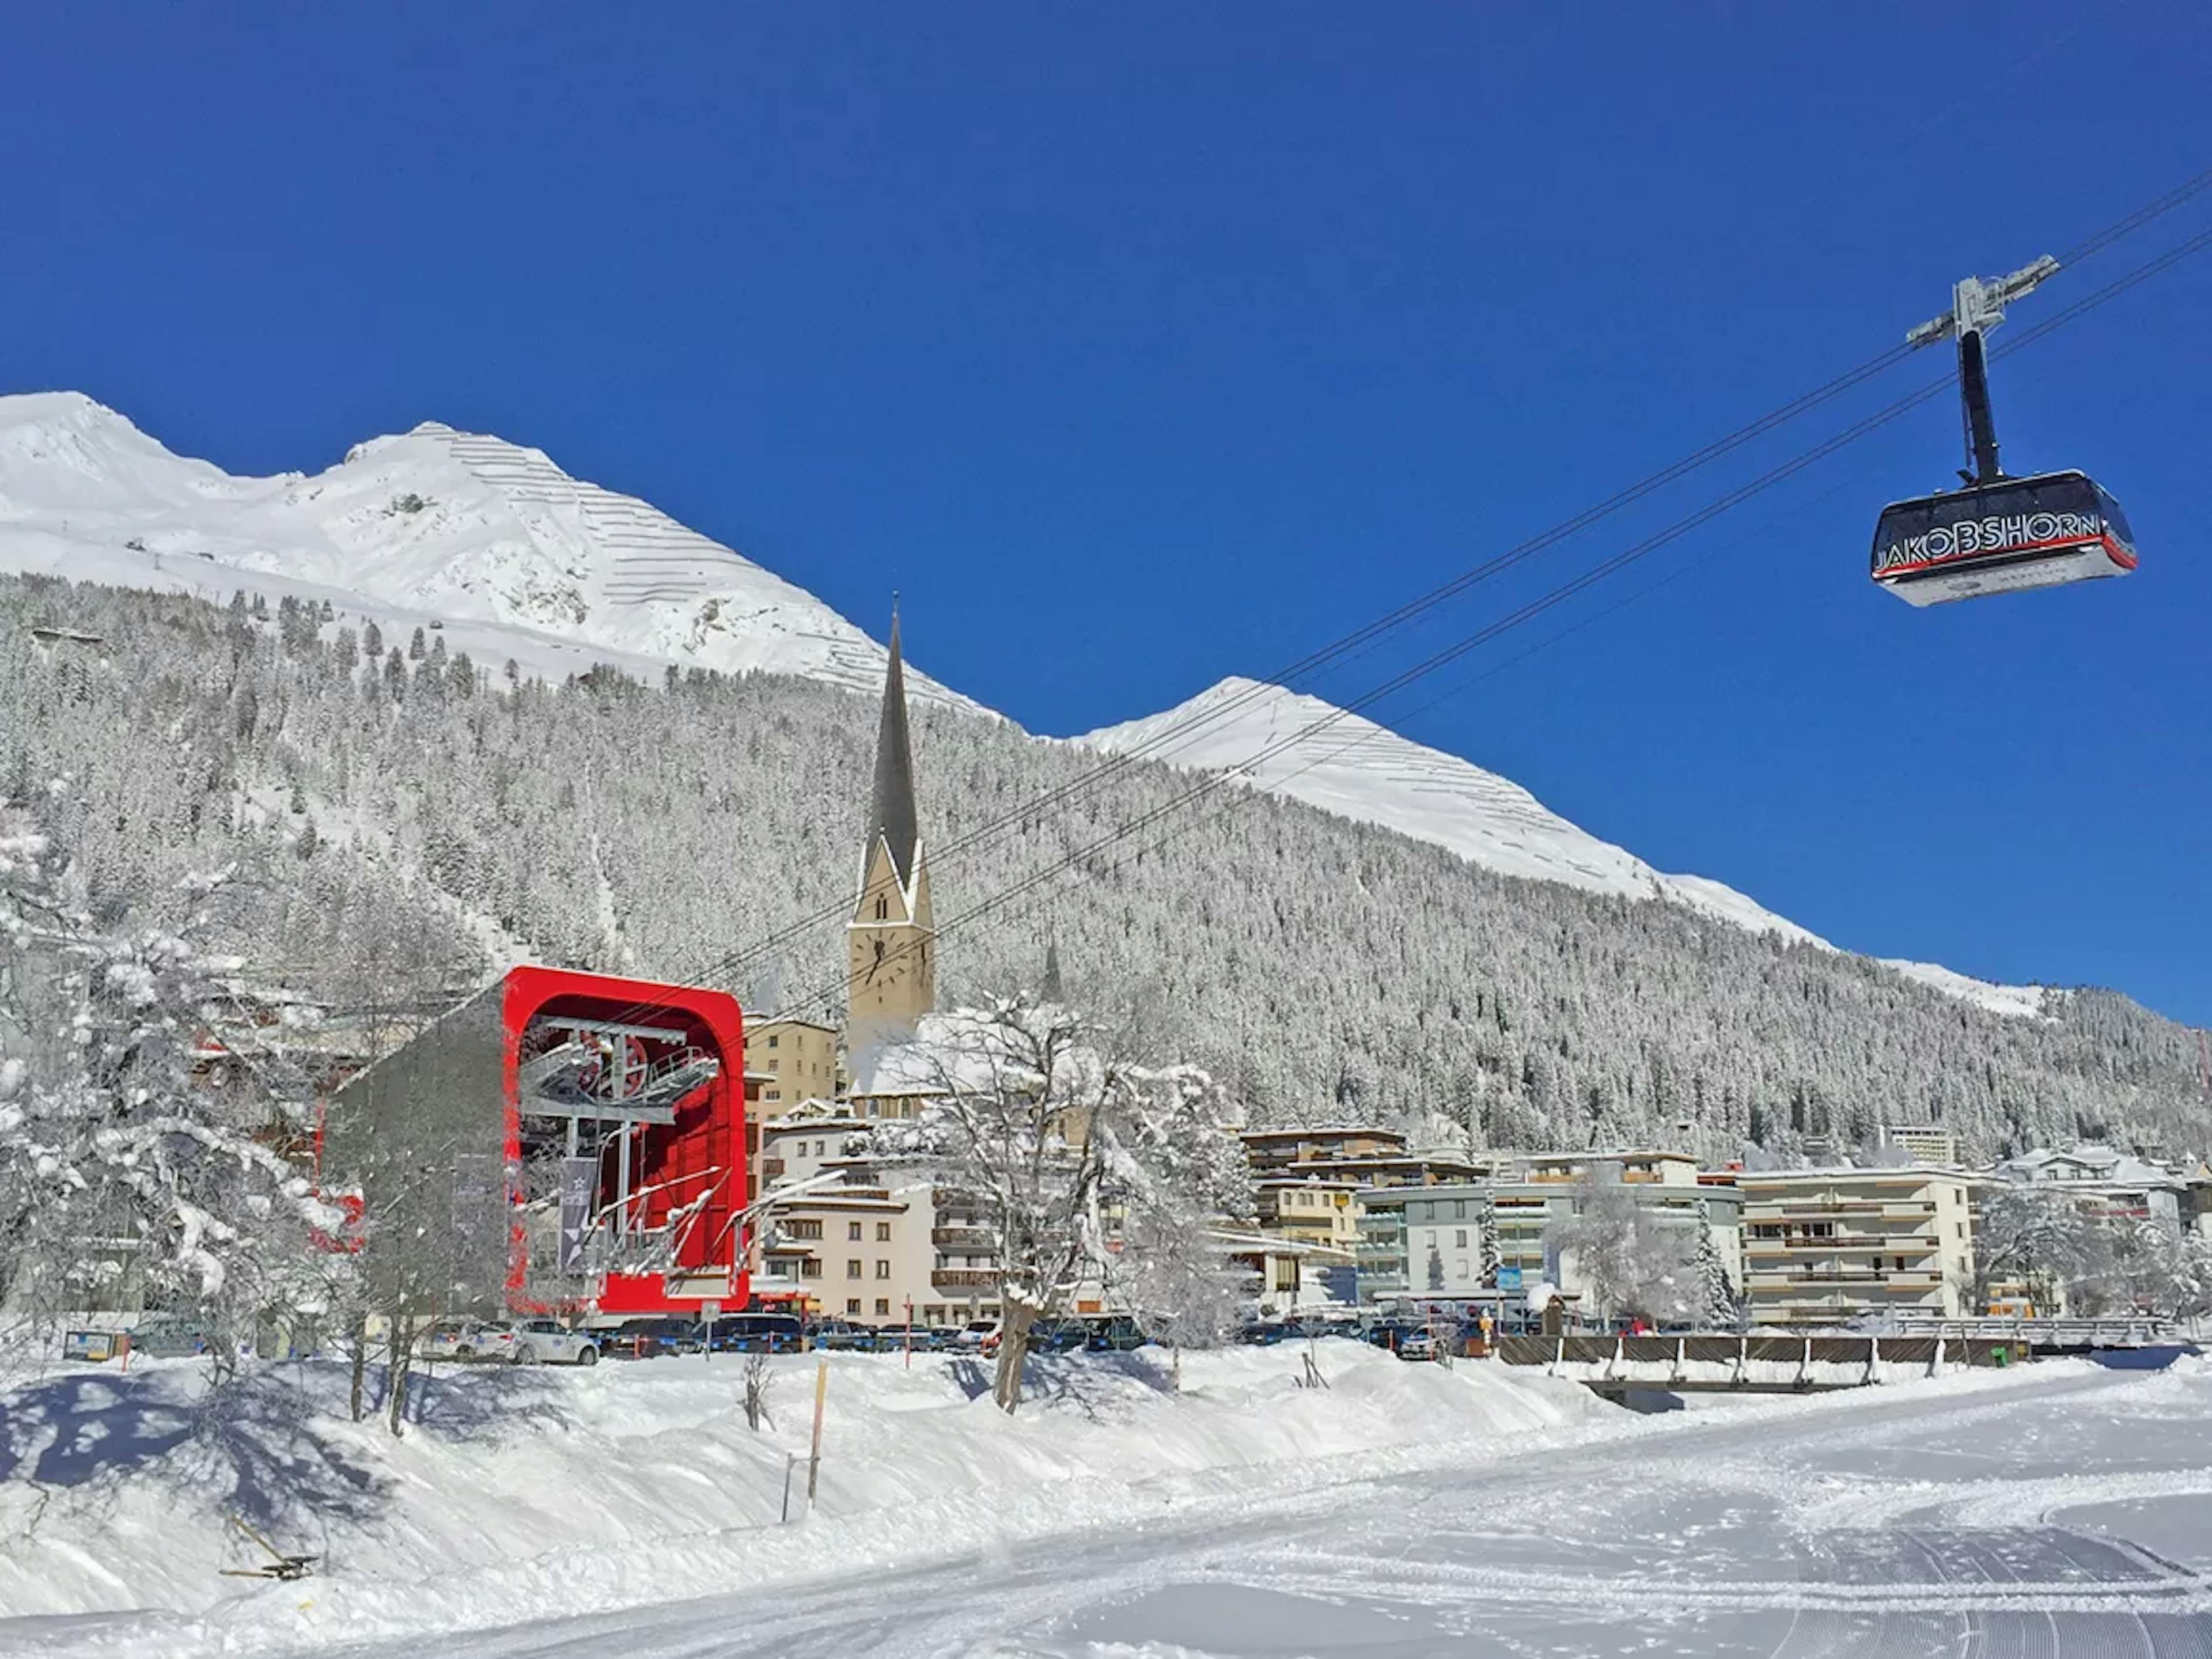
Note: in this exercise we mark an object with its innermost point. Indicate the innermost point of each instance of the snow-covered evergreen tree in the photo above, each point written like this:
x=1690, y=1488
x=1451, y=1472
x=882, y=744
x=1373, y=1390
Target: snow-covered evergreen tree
x=139, y=1158
x=1721, y=1303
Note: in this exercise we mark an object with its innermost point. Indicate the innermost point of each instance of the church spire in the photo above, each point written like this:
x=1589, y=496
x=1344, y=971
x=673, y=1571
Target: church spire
x=890, y=808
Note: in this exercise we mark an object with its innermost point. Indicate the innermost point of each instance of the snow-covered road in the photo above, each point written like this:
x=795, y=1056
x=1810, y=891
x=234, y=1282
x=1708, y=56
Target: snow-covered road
x=2063, y=1513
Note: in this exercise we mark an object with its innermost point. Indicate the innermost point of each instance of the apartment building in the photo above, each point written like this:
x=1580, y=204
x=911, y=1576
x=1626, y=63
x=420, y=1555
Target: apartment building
x=794, y=1061
x=1827, y=1246
x=963, y=1269
x=1923, y=1143
x=861, y=1252
x=1363, y=1155
x=1493, y=1240
x=2102, y=1182
x=1309, y=1210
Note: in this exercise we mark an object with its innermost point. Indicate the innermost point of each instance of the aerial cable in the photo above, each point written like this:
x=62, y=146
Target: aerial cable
x=1190, y=725
x=1177, y=734
x=1526, y=612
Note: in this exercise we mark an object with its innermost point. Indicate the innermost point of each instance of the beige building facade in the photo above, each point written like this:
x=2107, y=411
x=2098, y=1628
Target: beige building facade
x=794, y=1061
x=1310, y=1211
x=860, y=1252
x=1826, y=1246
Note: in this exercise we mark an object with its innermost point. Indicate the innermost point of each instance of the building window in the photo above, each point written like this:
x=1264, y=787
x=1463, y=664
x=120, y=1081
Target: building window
x=851, y=1269
x=1459, y=1238
x=883, y=1306
x=853, y=1231
x=803, y=1229
x=852, y=1304
x=810, y=1268
x=883, y=1268
x=776, y=1094
x=882, y=907
x=883, y=1232
x=820, y=1147
x=775, y=1066
x=771, y=1043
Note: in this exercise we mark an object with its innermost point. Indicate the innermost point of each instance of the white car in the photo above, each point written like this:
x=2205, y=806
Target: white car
x=976, y=1334
x=466, y=1339
x=547, y=1341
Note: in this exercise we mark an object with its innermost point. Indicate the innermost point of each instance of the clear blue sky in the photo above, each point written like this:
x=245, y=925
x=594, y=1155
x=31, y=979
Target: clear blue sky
x=1140, y=345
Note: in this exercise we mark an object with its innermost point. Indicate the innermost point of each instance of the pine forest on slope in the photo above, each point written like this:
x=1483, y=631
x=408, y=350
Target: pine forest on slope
x=408, y=819
x=494, y=546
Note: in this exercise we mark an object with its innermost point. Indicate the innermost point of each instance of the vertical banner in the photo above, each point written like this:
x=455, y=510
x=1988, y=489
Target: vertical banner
x=579, y=1184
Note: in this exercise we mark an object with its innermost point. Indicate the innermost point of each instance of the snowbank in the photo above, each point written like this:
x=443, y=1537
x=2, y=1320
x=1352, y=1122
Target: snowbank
x=526, y=1493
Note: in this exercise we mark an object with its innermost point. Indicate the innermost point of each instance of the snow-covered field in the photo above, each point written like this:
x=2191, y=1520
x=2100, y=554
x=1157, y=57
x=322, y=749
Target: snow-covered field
x=1406, y=1510
x=527, y=1492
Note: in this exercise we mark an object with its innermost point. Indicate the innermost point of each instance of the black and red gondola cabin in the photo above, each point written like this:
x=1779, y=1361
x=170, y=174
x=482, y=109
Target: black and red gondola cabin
x=2001, y=538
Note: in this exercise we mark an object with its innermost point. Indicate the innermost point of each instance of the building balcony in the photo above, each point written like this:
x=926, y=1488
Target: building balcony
x=1775, y=1279
x=770, y=1168
x=1880, y=1243
x=962, y=1238
x=963, y=1278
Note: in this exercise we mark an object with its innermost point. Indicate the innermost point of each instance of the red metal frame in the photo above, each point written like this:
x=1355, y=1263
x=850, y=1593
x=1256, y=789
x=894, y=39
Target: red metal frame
x=705, y=1144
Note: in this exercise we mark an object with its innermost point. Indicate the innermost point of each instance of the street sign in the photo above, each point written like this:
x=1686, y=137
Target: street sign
x=710, y=1310
x=1508, y=1279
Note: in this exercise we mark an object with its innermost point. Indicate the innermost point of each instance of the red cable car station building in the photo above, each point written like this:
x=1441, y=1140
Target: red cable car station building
x=576, y=1144
x=562, y=1142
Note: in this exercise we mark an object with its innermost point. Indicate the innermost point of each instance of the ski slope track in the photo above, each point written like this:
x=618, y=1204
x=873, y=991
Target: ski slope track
x=1357, y=769
x=486, y=538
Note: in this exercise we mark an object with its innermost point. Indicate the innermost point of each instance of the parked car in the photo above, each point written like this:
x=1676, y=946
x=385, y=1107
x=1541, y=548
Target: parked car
x=1114, y=1333
x=977, y=1335
x=1058, y=1336
x=1266, y=1333
x=651, y=1339
x=466, y=1339
x=169, y=1336
x=547, y=1341
x=847, y=1335
x=759, y=1333
x=1419, y=1345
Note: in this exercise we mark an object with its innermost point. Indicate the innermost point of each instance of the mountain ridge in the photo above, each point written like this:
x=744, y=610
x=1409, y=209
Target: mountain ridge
x=492, y=543
x=1292, y=744
x=430, y=526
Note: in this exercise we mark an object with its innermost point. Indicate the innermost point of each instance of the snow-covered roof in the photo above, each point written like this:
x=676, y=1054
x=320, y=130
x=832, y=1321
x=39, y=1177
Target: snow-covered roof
x=2103, y=1166
x=892, y=1069
x=1859, y=1172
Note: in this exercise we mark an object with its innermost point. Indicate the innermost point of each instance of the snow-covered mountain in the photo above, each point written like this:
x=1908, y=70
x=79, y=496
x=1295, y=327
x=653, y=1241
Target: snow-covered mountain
x=486, y=538
x=1292, y=744
x=511, y=557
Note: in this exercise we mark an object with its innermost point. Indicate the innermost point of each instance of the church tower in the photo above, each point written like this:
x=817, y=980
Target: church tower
x=890, y=948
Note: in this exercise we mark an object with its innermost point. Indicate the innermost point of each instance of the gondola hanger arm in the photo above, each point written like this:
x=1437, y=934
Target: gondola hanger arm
x=1977, y=307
